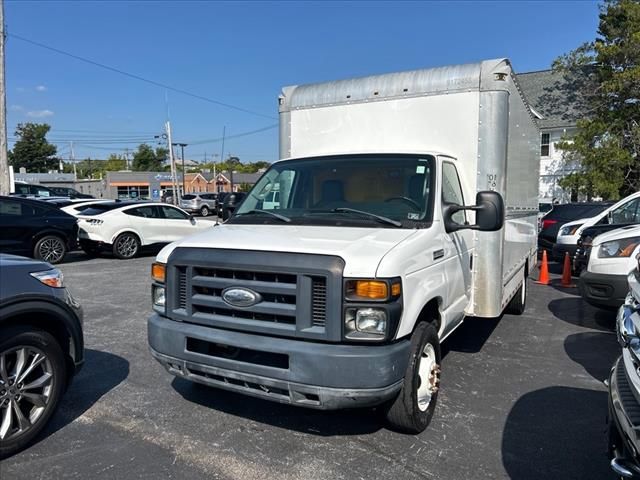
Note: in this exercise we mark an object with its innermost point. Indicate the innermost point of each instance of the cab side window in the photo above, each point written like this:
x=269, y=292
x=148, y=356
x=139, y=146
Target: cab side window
x=627, y=213
x=452, y=191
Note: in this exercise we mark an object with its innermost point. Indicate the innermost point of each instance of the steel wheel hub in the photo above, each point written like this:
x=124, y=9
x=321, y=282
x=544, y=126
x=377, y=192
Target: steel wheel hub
x=26, y=384
x=127, y=246
x=428, y=377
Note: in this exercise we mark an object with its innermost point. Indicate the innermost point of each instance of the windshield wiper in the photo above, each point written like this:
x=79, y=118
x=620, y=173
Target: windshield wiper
x=267, y=212
x=368, y=214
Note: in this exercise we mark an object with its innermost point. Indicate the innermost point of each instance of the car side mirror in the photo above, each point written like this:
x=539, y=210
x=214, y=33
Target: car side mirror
x=489, y=210
x=192, y=219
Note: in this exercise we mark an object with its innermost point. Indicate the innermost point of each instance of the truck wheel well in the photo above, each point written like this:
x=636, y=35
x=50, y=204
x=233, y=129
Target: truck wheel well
x=51, y=325
x=430, y=313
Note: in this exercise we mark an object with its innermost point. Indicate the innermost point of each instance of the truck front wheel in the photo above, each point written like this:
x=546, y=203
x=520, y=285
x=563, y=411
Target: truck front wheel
x=411, y=411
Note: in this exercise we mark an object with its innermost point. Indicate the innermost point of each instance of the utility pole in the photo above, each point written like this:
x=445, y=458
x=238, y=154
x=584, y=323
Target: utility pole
x=174, y=176
x=73, y=161
x=181, y=145
x=5, y=188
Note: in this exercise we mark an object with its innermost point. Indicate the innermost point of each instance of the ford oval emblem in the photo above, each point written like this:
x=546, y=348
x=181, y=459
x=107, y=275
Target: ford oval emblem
x=240, y=297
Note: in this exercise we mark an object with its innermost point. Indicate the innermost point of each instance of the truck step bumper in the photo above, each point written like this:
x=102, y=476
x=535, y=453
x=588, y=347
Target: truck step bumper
x=310, y=374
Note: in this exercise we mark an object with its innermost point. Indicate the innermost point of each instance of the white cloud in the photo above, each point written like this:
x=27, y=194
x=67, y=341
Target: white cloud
x=16, y=108
x=41, y=88
x=40, y=113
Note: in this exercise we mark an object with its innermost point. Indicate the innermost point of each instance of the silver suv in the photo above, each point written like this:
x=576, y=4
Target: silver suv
x=202, y=203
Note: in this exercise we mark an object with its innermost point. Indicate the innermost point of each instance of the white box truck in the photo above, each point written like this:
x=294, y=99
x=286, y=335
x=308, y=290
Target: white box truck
x=407, y=202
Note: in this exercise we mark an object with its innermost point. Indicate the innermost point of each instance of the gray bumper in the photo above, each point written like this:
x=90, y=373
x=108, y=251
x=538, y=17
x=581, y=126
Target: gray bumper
x=316, y=375
x=603, y=290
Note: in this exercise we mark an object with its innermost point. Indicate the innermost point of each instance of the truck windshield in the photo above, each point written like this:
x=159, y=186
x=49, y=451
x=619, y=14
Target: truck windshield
x=387, y=190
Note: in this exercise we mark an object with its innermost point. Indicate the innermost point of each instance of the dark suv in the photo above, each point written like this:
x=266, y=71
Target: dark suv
x=550, y=224
x=231, y=202
x=41, y=347
x=36, y=228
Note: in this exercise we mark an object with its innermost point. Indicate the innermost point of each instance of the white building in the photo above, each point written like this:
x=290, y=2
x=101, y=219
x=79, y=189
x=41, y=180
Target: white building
x=556, y=97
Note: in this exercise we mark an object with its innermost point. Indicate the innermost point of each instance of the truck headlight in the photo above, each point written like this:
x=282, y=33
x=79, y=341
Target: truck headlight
x=365, y=323
x=159, y=299
x=570, y=230
x=618, y=248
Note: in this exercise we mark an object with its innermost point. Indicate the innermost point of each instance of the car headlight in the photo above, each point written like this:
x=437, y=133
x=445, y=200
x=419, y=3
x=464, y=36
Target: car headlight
x=569, y=230
x=158, y=291
x=367, y=323
x=618, y=248
x=159, y=299
x=51, y=278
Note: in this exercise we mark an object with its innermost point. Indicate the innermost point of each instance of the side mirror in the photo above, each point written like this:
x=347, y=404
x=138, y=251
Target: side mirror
x=192, y=219
x=489, y=210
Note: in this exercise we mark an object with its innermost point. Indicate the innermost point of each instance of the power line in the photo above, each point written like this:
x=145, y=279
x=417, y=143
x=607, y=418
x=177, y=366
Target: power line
x=137, y=77
x=238, y=135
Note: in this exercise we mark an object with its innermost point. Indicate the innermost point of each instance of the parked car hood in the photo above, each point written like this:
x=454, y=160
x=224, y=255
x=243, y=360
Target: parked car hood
x=362, y=249
x=618, y=234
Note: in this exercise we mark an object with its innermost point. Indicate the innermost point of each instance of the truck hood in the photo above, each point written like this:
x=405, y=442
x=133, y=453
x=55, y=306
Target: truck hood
x=362, y=249
x=618, y=234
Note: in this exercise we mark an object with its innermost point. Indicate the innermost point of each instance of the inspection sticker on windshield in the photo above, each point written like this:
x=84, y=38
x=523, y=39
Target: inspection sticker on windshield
x=413, y=216
x=420, y=169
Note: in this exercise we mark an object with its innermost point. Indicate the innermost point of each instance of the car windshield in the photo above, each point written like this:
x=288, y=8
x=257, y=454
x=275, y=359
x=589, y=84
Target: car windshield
x=348, y=190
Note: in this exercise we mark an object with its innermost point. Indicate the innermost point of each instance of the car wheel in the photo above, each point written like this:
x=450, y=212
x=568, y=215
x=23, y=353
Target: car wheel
x=204, y=211
x=32, y=379
x=50, y=248
x=411, y=411
x=126, y=246
x=518, y=303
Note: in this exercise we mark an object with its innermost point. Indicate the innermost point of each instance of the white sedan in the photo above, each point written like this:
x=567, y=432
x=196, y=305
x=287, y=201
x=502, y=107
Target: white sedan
x=125, y=227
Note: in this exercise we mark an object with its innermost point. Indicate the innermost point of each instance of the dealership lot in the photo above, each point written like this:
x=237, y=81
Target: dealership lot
x=522, y=397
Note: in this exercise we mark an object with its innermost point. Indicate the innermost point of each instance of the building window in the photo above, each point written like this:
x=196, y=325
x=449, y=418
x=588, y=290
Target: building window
x=133, y=191
x=544, y=145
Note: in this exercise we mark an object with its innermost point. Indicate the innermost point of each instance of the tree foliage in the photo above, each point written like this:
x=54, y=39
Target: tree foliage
x=146, y=159
x=32, y=150
x=607, y=143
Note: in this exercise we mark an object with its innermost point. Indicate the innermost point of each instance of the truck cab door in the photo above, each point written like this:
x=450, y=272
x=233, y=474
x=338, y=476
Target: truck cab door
x=457, y=252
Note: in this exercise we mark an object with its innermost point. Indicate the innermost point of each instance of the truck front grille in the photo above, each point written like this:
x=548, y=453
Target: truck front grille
x=294, y=298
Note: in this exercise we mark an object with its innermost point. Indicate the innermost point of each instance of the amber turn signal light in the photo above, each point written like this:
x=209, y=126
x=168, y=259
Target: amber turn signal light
x=158, y=272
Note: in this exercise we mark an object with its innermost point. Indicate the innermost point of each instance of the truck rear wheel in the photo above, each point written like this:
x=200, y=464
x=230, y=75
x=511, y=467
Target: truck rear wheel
x=411, y=411
x=519, y=302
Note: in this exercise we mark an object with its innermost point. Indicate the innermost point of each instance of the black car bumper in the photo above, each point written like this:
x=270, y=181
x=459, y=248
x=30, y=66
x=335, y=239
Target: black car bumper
x=602, y=290
x=623, y=422
x=309, y=374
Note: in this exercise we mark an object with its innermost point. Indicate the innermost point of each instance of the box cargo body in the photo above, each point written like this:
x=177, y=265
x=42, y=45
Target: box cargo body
x=406, y=202
x=475, y=113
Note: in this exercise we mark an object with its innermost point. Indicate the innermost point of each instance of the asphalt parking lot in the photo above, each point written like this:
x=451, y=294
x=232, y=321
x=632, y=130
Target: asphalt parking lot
x=522, y=398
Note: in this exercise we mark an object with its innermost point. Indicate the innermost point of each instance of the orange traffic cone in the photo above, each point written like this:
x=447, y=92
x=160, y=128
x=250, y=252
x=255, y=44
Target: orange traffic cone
x=566, y=272
x=543, y=279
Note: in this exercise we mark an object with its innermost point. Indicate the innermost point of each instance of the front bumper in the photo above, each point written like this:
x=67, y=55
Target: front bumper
x=624, y=420
x=316, y=375
x=560, y=249
x=603, y=290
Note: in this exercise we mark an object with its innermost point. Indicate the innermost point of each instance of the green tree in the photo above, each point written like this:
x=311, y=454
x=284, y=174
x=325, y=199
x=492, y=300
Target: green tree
x=115, y=163
x=607, y=143
x=146, y=159
x=32, y=150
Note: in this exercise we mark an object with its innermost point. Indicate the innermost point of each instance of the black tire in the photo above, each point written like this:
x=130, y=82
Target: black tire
x=405, y=413
x=518, y=303
x=34, y=341
x=204, y=211
x=50, y=248
x=126, y=246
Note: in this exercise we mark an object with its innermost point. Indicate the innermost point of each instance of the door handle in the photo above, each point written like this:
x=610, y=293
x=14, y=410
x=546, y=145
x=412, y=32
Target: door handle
x=438, y=254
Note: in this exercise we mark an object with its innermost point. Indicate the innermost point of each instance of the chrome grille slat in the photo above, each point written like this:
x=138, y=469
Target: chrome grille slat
x=283, y=309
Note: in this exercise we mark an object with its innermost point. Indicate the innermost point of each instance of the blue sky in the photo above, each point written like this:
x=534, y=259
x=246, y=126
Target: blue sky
x=243, y=53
